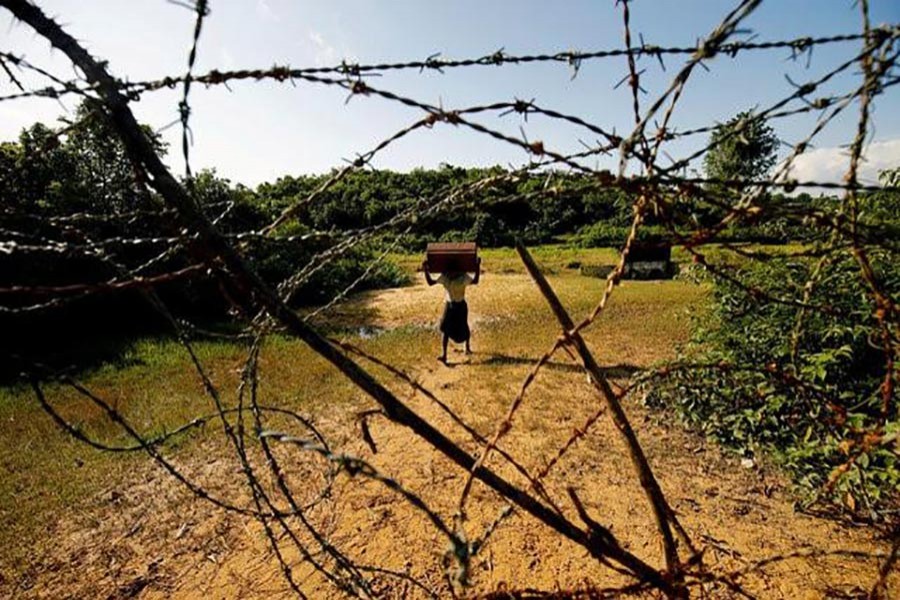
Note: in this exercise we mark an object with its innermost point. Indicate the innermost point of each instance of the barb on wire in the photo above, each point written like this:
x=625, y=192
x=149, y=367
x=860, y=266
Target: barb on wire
x=184, y=108
x=570, y=58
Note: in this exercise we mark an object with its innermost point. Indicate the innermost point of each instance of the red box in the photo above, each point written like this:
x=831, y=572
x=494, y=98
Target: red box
x=443, y=257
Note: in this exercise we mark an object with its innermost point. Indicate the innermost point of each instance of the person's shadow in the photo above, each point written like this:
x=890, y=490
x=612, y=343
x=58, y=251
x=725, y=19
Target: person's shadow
x=620, y=371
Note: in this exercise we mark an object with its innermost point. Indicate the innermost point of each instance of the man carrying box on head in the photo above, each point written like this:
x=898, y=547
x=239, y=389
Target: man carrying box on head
x=453, y=260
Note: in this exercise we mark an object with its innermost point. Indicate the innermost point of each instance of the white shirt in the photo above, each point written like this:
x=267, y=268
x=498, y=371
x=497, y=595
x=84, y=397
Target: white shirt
x=455, y=286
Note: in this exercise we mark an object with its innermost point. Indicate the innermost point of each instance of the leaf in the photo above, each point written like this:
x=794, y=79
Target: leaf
x=845, y=446
x=850, y=501
x=863, y=460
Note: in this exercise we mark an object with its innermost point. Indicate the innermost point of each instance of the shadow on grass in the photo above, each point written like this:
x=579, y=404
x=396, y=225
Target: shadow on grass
x=89, y=346
x=619, y=371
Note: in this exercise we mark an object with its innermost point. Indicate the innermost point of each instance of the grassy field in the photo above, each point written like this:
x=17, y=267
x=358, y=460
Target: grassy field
x=552, y=258
x=47, y=472
x=54, y=489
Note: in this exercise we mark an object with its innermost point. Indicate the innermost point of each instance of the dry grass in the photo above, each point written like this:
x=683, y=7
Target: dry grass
x=52, y=484
x=47, y=473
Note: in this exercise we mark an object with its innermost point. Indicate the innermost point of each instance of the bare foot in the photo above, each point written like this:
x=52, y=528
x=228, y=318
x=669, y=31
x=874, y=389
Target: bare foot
x=443, y=359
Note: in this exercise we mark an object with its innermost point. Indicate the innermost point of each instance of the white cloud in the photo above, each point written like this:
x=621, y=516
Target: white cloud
x=325, y=54
x=227, y=58
x=264, y=10
x=831, y=164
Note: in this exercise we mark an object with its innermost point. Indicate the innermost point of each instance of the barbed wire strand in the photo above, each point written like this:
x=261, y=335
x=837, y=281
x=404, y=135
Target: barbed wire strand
x=219, y=255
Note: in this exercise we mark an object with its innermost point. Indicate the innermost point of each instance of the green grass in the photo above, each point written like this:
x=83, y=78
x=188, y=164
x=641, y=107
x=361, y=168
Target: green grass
x=558, y=258
x=553, y=258
x=46, y=472
x=719, y=255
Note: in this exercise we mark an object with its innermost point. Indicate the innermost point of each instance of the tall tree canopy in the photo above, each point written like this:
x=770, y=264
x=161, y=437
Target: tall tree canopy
x=743, y=148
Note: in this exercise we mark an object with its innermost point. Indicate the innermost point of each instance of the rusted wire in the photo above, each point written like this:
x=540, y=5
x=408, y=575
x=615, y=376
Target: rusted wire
x=651, y=188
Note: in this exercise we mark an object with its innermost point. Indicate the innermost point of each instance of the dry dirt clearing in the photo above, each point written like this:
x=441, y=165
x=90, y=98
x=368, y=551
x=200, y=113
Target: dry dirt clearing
x=142, y=535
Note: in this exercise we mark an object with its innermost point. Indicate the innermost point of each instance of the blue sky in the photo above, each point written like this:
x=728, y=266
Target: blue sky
x=257, y=132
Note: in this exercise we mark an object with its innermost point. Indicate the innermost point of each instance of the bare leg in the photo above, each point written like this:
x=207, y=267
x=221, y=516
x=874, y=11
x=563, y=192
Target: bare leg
x=443, y=356
x=468, y=348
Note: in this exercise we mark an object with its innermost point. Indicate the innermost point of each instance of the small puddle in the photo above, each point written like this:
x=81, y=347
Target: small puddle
x=367, y=332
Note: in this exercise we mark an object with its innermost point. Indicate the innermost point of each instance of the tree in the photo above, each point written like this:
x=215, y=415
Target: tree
x=743, y=149
x=889, y=177
x=103, y=169
x=84, y=169
x=36, y=172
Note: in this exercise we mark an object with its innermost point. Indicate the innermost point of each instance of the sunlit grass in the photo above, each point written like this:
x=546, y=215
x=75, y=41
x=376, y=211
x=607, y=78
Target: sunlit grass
x=45, y=471
x=553, y=258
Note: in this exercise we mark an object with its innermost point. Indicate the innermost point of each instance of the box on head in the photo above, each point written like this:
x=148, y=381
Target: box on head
x=452, y=257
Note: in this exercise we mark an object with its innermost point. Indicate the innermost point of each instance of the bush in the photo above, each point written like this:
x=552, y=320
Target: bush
x=604, y=234
x=808, y=397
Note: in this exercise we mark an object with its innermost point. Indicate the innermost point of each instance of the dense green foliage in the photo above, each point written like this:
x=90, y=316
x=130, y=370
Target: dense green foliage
x=742, y=148
x=74, y=213
x=535, y=208
x=787, y=361
x=530, y=209
x=803, y=385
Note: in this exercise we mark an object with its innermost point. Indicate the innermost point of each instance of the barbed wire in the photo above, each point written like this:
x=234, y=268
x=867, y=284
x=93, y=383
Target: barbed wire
x=798, y=47
x=195, y=245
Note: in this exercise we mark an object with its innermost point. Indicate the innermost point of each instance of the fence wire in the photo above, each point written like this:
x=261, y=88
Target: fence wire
x=267, y=440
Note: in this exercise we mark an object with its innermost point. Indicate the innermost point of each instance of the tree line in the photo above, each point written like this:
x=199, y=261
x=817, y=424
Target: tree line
x=74, y=211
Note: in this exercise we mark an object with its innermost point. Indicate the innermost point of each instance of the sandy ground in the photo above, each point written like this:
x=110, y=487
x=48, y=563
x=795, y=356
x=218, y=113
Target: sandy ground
x=153, y=539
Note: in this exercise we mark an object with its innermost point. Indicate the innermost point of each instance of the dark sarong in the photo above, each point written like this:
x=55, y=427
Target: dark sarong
x=455, y=322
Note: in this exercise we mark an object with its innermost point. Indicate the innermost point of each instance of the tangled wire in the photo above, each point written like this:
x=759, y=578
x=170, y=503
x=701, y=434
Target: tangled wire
x=260, y=436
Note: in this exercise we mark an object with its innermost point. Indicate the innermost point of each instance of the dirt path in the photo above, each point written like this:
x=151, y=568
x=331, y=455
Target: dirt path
x=152, y=540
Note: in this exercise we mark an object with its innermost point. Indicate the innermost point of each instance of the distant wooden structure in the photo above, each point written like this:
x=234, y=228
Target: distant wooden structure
x=649, y=260
x=646, y=260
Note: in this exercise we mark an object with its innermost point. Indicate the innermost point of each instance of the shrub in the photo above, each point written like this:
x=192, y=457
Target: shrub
x=605, y=234
x=809, y=395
